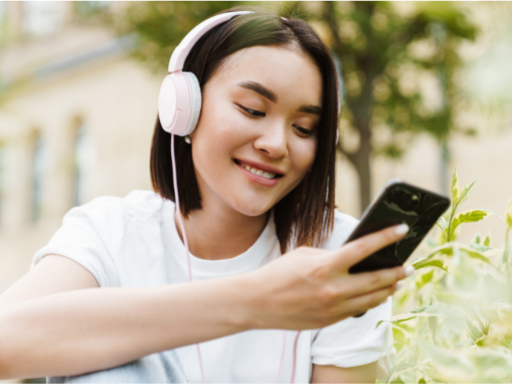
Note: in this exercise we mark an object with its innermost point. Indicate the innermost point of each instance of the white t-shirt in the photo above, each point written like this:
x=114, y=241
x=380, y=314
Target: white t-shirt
x=133, y=242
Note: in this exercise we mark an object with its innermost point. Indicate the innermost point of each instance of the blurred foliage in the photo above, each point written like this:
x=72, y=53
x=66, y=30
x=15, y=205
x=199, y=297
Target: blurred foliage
x=459, y=330
x=490, y=87
x=88, y=10
x=398, y=67
x=3, y=25
x=159, y=26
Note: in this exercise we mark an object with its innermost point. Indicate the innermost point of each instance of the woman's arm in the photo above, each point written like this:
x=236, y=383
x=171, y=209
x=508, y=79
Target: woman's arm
x=86, y=330
x=80, y=331
x=332, y=374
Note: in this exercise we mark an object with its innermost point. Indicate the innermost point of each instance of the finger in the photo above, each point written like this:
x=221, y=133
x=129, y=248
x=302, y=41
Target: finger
x=366, y=302
x=368, y=282
x=359, y=249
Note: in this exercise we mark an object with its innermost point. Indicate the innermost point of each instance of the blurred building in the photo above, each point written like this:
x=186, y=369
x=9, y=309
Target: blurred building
x=76, y=120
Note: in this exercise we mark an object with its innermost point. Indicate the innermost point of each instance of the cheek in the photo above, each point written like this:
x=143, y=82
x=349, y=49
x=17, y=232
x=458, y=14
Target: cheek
x=215, y=139
x=220, y=122
x=303, y=155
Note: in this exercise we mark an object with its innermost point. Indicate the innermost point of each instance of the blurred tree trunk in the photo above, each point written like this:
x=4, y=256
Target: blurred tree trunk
x=373, y=51
x=359, y=106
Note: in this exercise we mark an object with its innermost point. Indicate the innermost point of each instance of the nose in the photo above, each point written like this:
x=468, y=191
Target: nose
x=273, y=141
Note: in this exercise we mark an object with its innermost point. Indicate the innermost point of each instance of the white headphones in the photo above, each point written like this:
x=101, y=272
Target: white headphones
x=179, y=102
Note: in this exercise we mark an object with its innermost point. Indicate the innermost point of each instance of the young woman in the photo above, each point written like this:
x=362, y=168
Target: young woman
x=256, y=186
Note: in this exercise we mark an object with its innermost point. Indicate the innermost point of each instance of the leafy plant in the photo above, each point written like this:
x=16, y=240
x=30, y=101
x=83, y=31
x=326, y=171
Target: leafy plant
x=459, y=328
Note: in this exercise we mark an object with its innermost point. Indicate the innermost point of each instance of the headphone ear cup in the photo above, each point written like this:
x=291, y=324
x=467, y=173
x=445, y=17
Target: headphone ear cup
x=195, y=101
x=179, y=103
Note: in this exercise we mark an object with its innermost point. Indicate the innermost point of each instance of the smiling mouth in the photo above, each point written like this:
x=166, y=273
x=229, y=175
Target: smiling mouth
x=257, y=171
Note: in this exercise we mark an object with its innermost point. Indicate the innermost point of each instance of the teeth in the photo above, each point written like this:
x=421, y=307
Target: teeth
x=259, y=172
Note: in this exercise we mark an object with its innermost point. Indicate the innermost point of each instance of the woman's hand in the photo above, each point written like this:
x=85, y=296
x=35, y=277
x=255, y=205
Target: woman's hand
x=311, y=288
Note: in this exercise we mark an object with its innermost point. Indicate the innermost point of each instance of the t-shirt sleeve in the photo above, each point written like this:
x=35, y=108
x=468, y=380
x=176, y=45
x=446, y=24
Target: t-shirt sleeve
x=357, y=341
x=86, y=236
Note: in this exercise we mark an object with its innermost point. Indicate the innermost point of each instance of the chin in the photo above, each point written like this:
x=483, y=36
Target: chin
x=249, y=208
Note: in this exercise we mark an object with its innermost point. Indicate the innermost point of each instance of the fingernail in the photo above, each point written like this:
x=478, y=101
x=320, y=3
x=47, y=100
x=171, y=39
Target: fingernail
x=409, y=271
x=402, y=229
x=399, y=285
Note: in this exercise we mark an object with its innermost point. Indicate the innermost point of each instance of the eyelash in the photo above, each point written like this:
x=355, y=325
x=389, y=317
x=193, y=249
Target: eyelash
x=256, y=114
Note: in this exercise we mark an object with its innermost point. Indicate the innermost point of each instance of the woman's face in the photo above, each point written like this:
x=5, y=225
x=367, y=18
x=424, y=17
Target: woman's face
x=256, y=138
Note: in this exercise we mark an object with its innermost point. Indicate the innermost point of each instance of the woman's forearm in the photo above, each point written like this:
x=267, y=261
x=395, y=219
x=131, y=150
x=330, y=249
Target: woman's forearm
x=94, y=329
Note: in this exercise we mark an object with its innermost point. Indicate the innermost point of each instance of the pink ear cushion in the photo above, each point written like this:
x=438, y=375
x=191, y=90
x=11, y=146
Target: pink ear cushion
x=195, y=96
x=174, y=104
x=179, y=103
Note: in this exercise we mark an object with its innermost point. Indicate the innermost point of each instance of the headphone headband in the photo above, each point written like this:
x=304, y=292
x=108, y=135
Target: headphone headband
x=183, y=49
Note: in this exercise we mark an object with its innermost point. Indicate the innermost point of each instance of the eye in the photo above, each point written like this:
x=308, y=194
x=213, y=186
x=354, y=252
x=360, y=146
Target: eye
x=252, y=111
x=303, y=131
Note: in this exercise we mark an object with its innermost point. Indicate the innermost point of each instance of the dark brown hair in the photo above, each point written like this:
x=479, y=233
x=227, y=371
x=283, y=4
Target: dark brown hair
x=304, y=217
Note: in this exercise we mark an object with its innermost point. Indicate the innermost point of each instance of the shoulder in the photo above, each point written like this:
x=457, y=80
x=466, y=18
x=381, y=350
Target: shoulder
x=138, y=205
x=343, y=225
x=109, y=217
x=95, y=233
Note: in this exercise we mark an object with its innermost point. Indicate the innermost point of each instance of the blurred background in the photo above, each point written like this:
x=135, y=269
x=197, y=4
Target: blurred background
x=427, y=86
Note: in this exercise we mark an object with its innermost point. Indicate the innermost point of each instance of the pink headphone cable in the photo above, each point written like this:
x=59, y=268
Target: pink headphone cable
x=294, y=355
x=177, y=204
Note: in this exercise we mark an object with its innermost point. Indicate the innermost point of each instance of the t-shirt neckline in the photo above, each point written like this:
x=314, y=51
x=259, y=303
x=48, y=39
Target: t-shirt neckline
x=238, y=264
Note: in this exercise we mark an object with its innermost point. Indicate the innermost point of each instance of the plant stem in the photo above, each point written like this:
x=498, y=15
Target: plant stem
x=450, y=223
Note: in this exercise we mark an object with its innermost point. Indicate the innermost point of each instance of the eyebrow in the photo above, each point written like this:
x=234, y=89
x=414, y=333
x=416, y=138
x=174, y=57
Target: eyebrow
x=257, y=87
x=268, y=94
x=312, y=109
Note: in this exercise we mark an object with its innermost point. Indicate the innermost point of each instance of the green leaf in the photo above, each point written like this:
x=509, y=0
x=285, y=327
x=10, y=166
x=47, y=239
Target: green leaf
x=487, y=241
x=442, y=223
x=439, y=310
x=501, y=307
x=397, y=319
x=465, y=192
x=447, y=249
x=402, y=368
x=480, y=248
x=424, y=279
x=429, y=263
x=433, y=325
x=399, y=338
x=468, y=217
x=477, y=239
x=473, y=331
x=507, y=250
x=464, y=344
x=509, y=214
x=455, y=188
x=443, y=357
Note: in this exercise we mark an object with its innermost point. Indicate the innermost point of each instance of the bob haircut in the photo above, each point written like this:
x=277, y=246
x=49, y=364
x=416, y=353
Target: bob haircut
x=304, y=217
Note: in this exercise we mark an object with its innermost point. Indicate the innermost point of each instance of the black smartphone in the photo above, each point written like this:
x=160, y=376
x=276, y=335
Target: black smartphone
x=398, y=203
